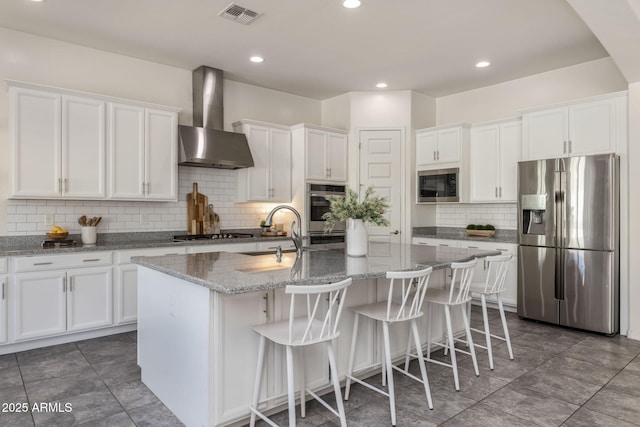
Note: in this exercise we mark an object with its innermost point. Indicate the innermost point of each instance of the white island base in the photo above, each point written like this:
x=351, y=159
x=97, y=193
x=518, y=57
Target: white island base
x=198, y=354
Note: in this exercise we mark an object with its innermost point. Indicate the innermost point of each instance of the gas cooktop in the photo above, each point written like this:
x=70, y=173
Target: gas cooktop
x=187, y=237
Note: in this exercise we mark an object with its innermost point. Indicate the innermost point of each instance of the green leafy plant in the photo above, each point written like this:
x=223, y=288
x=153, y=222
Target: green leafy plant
x=370, y=210
x=471, y=227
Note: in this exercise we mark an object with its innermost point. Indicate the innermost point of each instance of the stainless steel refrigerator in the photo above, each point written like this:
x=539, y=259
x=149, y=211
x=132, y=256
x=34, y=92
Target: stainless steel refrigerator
x=568, y=258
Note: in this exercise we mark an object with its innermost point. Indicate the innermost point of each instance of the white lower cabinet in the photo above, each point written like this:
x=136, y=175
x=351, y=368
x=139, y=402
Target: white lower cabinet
x=126, y=281
x=4, y=285
x=55, y=294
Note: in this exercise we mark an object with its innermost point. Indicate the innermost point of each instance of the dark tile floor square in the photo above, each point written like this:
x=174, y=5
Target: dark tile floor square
x=558, y=377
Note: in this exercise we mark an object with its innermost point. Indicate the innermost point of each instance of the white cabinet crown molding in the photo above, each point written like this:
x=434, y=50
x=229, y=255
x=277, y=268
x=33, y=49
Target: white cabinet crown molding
x=571, y=102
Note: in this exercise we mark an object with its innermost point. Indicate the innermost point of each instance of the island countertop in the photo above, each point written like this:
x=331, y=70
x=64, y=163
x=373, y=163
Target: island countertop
x=234, y=273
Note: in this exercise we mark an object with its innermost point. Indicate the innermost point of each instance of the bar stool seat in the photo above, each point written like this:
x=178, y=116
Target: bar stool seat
x=317, y=326
x=406, y=308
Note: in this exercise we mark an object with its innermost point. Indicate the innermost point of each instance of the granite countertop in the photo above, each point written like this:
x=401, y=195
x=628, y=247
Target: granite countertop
x=31, y=245
x=233, y=273
x=454, y=233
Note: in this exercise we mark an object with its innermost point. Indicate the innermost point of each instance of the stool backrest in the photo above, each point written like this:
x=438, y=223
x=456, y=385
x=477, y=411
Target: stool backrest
x=413, y=286
x=496, y=273
x=336, y=293
x=462, y=273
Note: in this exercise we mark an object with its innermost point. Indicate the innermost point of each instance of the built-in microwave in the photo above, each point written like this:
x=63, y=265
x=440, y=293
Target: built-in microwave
x=438, y=185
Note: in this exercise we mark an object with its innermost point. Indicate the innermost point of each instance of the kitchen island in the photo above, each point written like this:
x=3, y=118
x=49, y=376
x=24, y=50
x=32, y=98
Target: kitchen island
x=195, y=346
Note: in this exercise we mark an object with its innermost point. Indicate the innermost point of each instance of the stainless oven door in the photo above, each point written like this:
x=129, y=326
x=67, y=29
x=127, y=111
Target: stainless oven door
x=319, y=205
x=328, y=241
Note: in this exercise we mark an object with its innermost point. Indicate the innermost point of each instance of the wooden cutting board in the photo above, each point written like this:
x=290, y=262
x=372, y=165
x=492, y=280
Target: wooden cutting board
x=197, y=211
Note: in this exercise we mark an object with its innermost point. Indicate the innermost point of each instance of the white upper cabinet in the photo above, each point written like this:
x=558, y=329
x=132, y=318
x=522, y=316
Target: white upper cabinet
x=436, y=146
x=142, y=153
x=269, y=180
x=593, y=126
x=57, y=145
x=494, y=156
x=325, y=153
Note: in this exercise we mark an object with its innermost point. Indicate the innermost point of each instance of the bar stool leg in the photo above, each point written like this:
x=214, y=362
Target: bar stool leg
x=423, y=368
x=303, y=383
x=429, y=309
x=352, y=355
x=256, y=384
x=454, y=365
x=504, y=327
x=336, y=384
x=291, y=387
x=387, y=350
x=472, y=350
x=407, y=357
x=487, y=333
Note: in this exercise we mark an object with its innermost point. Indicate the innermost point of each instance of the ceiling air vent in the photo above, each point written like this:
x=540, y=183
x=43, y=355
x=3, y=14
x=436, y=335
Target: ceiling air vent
x=239, y=14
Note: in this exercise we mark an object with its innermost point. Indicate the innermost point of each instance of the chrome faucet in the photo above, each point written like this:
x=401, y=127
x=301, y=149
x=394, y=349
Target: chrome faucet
x=296, y=237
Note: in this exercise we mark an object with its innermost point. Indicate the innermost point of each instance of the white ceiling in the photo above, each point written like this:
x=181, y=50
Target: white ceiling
x=318, y=49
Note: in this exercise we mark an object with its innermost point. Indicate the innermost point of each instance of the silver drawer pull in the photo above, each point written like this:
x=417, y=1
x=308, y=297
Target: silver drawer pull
x=500, y=249
x=3, y=285
x=91, y=260
x=42, y=263
x=472, y=247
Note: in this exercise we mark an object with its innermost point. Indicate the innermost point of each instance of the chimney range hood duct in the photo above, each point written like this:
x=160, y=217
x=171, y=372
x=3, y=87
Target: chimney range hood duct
x=206, y=144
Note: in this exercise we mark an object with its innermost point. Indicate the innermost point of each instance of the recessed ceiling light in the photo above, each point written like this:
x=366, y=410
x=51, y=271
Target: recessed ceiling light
x=381, y=85
x=351, y=4
x=483, y=64
x=256, y=59
x=37, y=1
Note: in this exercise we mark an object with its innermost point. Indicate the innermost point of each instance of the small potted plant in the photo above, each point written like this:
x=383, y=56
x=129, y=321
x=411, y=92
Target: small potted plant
x=371, y=210
x=264, y=228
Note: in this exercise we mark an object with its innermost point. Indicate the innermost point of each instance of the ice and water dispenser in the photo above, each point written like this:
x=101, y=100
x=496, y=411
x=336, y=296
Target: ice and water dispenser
x=533, y=213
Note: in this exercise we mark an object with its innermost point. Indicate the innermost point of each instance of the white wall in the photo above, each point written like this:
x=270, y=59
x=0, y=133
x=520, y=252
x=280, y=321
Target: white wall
x=336, y=111
x=634, y=211
x=50, y=62
x=507, y=99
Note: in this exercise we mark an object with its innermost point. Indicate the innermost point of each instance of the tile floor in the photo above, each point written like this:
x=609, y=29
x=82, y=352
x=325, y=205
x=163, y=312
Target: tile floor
x=559, y=377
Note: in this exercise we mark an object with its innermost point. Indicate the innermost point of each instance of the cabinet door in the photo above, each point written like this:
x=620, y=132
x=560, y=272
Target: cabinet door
x=126, y=307
x=83, y=148
x=315, y=151
x=126, y=152
x=485, y=152
x=36, y=149
x=161, y=151
x=4, y=285
x=449, y=145
x=426, y=148
x=546, y=133
x=280, y=165
x=258, y=177
x=510, y=146
x=89, y=298
x=592, y=128
x=337, y=157
x=40, y=304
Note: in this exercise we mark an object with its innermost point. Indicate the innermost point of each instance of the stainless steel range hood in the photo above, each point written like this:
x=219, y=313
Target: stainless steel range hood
x=206, y=144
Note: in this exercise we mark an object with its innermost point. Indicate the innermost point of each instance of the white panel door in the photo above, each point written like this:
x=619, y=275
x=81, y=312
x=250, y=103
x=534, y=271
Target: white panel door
x=258, y=176
x=280, y=165
x=83, y=148
x=40, y=304
x=89, y=298
x=126, y=308
x=484, y=152
x=35, y=149
x=337, y=157
x=4, y=289
x=315, y=152
x=126, y=151
x=161, y=155
x=592, y=128
x=449, y=141
x=547, y=133
x=380, y=169
x=510, y=147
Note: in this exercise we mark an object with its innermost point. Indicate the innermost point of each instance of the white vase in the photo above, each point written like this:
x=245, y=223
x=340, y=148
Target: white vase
x=89, y=235
x=357, y=238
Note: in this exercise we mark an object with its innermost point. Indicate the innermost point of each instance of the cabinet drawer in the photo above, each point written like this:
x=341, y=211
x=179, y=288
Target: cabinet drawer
x=428, y=241
x=56, y=262
x=124, y=257
x=3, y=265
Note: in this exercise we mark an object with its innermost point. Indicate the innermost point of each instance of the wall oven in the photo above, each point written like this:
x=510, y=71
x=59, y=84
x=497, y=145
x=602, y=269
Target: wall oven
x=318, y=205
x=438, y=185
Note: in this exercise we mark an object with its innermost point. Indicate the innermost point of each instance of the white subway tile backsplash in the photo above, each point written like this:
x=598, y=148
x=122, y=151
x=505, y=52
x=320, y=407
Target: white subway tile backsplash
x=502, y=216
x=27, y=216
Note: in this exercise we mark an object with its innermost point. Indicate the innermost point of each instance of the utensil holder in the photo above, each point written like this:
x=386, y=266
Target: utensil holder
x=89, y=235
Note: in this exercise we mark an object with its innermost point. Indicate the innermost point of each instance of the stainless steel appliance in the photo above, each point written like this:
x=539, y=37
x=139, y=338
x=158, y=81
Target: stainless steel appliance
x=318, y=205
x=568, y=258
x=217, y=236
x=438, y=185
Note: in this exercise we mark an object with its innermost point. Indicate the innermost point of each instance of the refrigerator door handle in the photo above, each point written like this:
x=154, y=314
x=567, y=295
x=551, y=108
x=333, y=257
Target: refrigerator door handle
x=559, y=265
